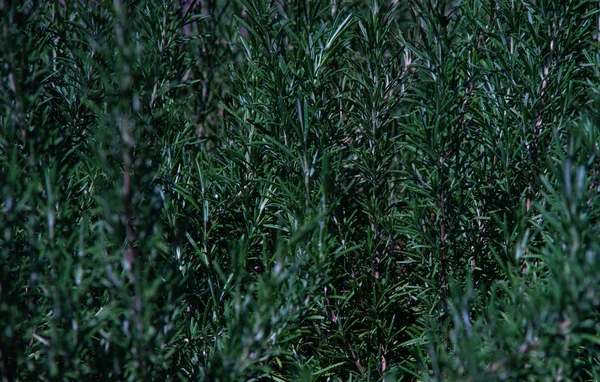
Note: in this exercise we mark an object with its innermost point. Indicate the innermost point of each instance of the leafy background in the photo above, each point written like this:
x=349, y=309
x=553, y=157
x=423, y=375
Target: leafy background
x=299, y=190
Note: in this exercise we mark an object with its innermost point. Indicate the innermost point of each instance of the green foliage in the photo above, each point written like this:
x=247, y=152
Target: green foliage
x=303, y=190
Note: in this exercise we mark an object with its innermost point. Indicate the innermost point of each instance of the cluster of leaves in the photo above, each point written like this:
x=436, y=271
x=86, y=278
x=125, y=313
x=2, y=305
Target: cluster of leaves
x=299, y=190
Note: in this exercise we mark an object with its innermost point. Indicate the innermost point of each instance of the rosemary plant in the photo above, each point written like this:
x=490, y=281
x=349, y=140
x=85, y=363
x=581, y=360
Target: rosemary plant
x=302, y=190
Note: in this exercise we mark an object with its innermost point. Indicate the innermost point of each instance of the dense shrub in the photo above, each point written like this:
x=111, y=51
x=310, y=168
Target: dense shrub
x=299, y=190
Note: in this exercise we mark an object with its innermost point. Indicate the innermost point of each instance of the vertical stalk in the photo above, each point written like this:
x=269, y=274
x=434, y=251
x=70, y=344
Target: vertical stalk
x=128, y=143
